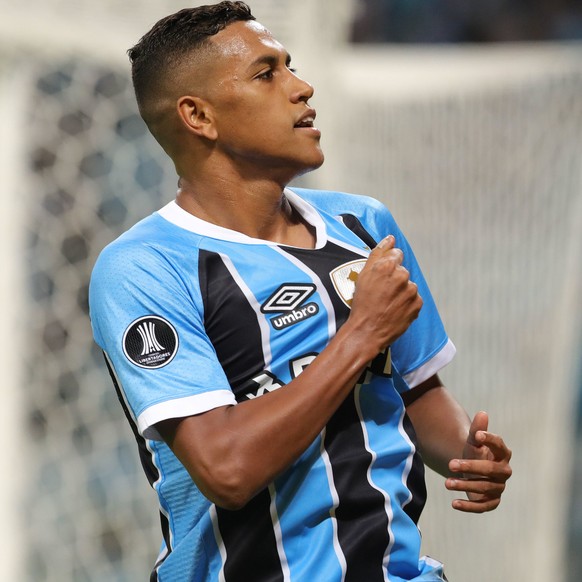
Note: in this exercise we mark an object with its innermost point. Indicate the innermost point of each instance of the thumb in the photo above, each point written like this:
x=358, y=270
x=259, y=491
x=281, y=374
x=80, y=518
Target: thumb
x=480, y=423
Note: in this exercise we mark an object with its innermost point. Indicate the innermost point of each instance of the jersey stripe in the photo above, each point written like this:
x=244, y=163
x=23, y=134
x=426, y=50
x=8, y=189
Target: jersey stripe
x=353, y=223
x=149, y=466
x=219, y=541
x=278, y=534
x=354, y=249
x=256, y=307
x=250, y=542
x=233, y=321
x=332, y=512
x=414, y=479
x=361, y=516
x=227, y=298
x=387, y=500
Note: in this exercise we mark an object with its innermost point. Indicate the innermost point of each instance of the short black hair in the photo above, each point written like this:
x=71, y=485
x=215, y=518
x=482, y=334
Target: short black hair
x=172, y=38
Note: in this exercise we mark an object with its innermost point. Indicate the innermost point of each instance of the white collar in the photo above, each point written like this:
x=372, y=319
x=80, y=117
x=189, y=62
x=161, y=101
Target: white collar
x=180, y=217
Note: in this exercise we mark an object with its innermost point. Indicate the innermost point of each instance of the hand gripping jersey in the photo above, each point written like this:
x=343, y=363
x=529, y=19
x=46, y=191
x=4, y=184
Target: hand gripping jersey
x=192, y=316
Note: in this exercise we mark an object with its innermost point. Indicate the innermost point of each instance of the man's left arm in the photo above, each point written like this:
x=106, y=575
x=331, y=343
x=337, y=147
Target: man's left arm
x=474, y=460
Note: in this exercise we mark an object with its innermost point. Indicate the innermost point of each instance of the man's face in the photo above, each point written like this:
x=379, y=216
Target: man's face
x=261, y=111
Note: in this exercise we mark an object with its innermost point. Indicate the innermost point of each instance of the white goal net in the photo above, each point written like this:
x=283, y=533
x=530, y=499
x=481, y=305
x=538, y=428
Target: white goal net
x=478, y=153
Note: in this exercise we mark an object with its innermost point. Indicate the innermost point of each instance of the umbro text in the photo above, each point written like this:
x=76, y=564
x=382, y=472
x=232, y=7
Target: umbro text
x=293, y=317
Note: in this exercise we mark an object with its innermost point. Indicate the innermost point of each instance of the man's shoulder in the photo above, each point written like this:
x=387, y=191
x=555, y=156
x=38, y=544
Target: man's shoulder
x=370, y=212
x=146, y=245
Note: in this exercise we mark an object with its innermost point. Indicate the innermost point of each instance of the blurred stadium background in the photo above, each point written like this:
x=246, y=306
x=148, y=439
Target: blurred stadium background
x=465, y=118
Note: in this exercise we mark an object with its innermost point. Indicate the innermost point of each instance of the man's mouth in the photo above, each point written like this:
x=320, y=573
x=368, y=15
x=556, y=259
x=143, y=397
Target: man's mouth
x=306, y=122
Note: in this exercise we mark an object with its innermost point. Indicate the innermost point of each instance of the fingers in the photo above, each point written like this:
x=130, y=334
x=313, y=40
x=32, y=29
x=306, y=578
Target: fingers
x=476, y=486
x=386, y=243
x=486, y=445
x=498, y=471
x=484, y=494
x=482, y=479
x=496, y=445
x=387, y=251
x=481, y=506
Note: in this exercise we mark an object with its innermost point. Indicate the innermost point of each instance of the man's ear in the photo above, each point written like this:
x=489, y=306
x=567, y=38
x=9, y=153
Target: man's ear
x=196, y=115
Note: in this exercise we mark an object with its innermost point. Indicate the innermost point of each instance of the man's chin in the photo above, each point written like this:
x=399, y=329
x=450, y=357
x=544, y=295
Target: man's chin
x=310, y=168
x=317, y=162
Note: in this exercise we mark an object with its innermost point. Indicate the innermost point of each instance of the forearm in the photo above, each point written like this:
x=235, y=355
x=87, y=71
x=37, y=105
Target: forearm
x=441, y=425
x=239, y=450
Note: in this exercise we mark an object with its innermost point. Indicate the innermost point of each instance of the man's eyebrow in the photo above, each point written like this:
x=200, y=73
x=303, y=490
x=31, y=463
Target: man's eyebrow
x=270, y=59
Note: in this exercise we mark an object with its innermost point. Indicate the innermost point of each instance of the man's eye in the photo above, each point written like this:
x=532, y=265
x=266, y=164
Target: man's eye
x=266, y=75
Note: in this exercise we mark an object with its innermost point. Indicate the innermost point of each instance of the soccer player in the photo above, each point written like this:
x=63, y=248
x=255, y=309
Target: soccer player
x=275, y=349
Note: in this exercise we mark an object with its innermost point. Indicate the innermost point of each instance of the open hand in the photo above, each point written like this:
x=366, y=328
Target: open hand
x=483, y=470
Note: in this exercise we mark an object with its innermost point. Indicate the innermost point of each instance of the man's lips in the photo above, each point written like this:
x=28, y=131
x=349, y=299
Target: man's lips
x=307, y=119
x=305, y=123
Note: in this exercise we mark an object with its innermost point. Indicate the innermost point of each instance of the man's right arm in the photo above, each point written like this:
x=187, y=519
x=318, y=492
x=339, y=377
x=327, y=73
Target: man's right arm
x=233, y=452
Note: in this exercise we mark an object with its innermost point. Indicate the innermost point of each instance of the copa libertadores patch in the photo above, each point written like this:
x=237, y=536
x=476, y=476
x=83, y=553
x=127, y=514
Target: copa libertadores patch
x=150, y=342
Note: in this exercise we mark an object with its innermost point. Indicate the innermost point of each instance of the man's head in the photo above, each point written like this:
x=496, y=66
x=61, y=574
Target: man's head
x=212, y=83
x=174, y=42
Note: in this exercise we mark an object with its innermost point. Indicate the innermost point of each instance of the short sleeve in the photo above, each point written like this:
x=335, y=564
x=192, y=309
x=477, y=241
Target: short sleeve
x=425, y=347
x=148, y=318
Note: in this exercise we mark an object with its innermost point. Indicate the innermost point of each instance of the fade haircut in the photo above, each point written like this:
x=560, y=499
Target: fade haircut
x=171, y=40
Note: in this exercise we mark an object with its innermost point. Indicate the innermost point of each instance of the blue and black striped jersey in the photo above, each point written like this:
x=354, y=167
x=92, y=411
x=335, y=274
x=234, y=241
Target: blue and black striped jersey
x=192, y=316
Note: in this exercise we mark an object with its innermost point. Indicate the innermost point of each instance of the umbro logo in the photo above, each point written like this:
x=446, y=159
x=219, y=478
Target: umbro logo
x=289, y=299
x=150, y=342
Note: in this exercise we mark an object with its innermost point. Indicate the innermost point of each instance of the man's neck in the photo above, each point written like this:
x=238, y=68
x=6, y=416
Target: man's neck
x=258, y=209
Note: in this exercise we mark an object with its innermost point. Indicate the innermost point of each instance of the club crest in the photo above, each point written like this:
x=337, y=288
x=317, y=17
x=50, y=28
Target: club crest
x=344, y=279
